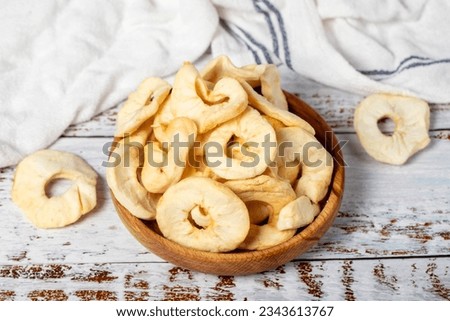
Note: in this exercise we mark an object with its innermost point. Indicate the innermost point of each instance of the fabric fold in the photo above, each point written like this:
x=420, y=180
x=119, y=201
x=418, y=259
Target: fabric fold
x=62, y=62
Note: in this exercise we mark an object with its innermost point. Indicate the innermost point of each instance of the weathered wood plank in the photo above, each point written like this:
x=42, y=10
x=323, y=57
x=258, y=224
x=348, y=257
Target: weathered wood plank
x=102, y=125
x=376, y=279
x=335, y=106
x=386, y=211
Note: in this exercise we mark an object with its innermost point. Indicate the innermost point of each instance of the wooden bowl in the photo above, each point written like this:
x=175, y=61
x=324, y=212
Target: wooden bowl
x=248, y=262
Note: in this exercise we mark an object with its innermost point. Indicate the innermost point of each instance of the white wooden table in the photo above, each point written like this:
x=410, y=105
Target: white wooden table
x=390, y=241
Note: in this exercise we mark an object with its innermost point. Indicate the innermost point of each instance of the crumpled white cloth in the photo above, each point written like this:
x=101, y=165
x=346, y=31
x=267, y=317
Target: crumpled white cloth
x=62, y=62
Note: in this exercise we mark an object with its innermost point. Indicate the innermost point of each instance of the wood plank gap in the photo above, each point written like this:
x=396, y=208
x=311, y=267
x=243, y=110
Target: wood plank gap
x=400, y=257
x=299, y=260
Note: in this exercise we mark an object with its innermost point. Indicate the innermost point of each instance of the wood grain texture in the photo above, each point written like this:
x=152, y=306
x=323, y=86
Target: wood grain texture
x=390, y=240
x=333, y=105
x=339, y=118
x=386, y=211
x=377, y=279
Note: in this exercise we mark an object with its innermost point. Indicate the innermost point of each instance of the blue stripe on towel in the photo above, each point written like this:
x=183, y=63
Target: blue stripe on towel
x=271, y=27
x=257, y=44
x=405, y=64
x=287, y=53
x=234, y=34
x=420, y=64
x=390, y=72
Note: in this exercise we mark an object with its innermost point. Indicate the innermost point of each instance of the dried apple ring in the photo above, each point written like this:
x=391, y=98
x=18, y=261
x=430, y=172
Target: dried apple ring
x=141, y=105
x=224, y=222
x=288, y=170
x=33, y=174
x=276, y=194
x=222, y=66
x=271, y=87
x=163, y=168
x=264, y=76
x=260, y=103
x=316, y=162
x=258, y=146
x=275, y=123
x=412, y=121
x=123, y=177
x=207, y=107
x=298, y=213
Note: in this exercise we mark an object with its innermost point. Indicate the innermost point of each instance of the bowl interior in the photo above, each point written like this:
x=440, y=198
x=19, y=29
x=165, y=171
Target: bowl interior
x=247, y=262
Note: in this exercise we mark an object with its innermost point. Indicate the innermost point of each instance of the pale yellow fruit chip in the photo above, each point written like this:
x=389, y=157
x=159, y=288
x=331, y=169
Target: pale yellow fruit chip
x=412, y=121
x=37, y=170
x=192, y=98
x=162, y=168
x=122, y=175
x=264, y=76
x=141, y=105
x=265, y=107
x=254, y=133
x=200, y=201
x=276, y=194
x=315, y=162
x=232, y=188
x=298, y=213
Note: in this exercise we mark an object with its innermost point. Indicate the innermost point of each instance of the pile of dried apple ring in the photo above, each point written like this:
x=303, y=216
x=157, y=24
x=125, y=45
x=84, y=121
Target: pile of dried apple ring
x=203, y=158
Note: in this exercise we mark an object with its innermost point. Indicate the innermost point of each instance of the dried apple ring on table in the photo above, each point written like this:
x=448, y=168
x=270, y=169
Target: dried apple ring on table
x=276, y=194
x=412, y=121
x=224, y=222
x=37, y=170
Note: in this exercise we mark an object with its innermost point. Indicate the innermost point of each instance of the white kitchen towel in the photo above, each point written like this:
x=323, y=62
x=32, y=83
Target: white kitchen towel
x=364, y=47
x=62, y=62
